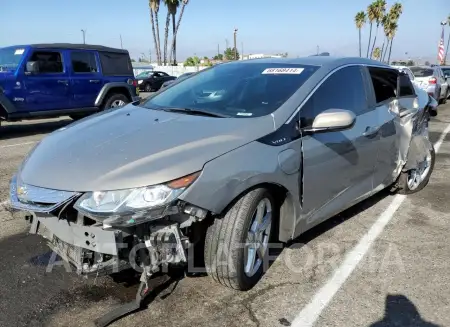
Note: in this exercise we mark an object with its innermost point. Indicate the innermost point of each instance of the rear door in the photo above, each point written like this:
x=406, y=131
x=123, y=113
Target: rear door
x=48, y=89
x=86, y=78
x=338, y=166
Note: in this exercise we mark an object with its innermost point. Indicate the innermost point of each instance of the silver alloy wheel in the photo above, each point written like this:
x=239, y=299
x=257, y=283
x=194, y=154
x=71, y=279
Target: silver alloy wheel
x=117, y=103
x=258, y=237
x=418, y=175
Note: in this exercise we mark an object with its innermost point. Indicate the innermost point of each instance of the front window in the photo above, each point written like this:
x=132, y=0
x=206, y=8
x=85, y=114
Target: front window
x=144, y=74
x=422, y=72
x=239, y=89
x=10, y=58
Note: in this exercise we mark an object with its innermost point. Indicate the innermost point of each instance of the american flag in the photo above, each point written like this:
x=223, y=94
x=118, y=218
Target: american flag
x=441, y=49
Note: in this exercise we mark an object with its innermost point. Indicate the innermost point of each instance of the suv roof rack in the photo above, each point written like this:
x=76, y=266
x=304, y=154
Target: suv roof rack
x=78, y=47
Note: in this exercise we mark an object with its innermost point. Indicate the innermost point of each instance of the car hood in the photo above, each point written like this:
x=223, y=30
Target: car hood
x=133, y=147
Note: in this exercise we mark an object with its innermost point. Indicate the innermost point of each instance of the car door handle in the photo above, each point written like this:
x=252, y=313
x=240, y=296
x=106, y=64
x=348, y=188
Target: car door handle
x=371, y=131
x=94, y=81
x=65, y=82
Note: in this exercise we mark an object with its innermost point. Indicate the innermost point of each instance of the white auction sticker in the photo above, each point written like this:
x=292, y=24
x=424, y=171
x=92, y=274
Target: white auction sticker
x=295, y=71
x=19, y=52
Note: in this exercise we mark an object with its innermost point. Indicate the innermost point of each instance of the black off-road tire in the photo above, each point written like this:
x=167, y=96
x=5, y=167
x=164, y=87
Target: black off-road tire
x=402, y=182
x=114, y=97
x=224, y=253
x=147, y=88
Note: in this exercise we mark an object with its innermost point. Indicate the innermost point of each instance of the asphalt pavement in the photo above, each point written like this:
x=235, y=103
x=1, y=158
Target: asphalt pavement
x=381, y=263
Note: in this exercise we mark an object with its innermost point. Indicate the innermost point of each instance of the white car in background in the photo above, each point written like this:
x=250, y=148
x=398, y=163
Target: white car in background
x=406, y=70
x=432, y=80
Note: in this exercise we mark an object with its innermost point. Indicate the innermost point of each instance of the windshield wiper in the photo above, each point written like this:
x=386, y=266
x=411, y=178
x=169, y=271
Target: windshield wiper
x=191, y=111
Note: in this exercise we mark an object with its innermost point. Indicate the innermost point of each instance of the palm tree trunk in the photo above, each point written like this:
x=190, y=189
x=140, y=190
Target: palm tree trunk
x=152, y=20
x=175, y=41
x=374, y=42
x=381, y=54
x=370, y=39
x=158, y=39
x=385, y=50
x=166, y=36
x=390, y=50
x=177, y=27
x=359, y=41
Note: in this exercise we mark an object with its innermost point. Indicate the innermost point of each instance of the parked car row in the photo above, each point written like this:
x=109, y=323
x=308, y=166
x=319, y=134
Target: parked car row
x=434, y=80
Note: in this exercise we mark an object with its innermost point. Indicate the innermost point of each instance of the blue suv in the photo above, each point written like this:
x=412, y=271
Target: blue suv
x=51, y=80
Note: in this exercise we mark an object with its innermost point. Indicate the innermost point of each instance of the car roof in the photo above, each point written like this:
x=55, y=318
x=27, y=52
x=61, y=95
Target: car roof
x=401, y=67
x=323, y=61
x=77, y=47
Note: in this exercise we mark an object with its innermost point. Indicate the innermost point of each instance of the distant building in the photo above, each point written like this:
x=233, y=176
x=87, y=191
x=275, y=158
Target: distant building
x=259, y=55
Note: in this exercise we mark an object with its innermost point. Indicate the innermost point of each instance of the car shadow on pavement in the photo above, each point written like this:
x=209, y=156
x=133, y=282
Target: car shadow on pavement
x=400, y=311
x=28, y=129
x=338, y=219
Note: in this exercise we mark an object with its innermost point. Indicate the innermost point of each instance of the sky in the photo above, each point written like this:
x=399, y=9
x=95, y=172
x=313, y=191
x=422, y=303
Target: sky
x=264, y=26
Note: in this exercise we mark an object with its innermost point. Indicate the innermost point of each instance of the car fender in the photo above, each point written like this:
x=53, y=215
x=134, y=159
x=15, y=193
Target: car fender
x=107, y=87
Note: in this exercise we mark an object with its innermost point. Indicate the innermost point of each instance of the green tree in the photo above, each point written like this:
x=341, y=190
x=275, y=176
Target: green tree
x=371, y=16
x=376, y=53
x=174, y=38
x=218, y=57
x=229, y=53
x=192, y=61
x=132, y=60
x=154, y=10
x=380, y=10
x=360, y=20
x=394, y=15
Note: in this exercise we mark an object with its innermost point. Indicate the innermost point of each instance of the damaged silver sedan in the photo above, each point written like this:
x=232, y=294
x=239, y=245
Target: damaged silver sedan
x=226, y=161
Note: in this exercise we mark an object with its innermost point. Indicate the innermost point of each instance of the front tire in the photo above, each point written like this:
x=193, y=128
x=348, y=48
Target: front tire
x=414, y=180
x=237, y=245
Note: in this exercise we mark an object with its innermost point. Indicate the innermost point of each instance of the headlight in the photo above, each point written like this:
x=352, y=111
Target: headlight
x=124, y=206
x=140, y=82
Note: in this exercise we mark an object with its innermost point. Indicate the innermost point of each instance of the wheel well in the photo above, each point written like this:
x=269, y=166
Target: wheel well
x=283, y=202
x=3, y=112
x=117, y=90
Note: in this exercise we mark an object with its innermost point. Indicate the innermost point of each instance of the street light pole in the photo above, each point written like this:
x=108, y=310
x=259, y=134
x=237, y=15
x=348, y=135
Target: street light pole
x=121, y=44
x=235, y=46
x=443, y=23
x=84, y=36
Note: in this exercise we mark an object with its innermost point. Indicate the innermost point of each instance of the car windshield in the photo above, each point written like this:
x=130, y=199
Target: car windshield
x=10, y=58
x=235, y=89
x=143, y=74
x=422, y=72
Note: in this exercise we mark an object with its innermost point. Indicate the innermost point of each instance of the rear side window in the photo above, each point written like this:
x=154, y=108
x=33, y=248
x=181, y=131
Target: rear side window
x=384, y=83
x=405, y=86
x=342, y=90
x=118, y=64
x=422, y=71
x=49, y=62
x=84, y=62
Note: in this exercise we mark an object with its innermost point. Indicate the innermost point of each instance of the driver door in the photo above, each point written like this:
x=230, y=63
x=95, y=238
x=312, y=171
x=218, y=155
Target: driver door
x=338, y=166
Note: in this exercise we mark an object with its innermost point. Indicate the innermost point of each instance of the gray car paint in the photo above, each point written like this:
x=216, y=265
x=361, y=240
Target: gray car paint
x=134, y=147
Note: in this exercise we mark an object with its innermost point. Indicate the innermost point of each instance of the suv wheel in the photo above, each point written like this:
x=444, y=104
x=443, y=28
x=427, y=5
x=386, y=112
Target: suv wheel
x=115, y=101
x=236, y=245
x=414, y=180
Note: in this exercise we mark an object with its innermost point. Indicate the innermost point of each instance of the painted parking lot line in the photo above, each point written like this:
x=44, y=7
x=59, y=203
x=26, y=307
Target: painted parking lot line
x=312, y=311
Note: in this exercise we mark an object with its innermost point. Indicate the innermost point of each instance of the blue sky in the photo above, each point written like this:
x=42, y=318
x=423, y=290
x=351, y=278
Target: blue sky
x=265, y=26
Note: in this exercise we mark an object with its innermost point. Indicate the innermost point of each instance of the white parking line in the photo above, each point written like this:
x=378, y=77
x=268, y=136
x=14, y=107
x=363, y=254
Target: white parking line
x=17, y=144
x=309, y=315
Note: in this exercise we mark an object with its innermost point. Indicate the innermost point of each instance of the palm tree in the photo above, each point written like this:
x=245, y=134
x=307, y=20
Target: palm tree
x=380, y=9
x=183, y=6
x=174, y=4
x=154, y=5
x=166, y=31
x=371, y=17
x=360, y=20
x=152, y=20
x=392, y=30
x=386, y=27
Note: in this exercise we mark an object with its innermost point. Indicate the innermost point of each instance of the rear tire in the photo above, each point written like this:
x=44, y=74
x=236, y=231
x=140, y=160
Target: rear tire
x=406, y=184
x=230, y=241
x=115, y=100
x=147, y=88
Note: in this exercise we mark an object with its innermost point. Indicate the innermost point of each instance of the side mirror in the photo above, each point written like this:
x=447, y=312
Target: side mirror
x=332, y=120
x=32, y=67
